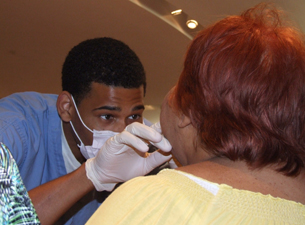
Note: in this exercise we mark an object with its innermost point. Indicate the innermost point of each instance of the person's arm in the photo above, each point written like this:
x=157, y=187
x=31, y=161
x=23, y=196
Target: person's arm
x=52, y=199
x=115, y=162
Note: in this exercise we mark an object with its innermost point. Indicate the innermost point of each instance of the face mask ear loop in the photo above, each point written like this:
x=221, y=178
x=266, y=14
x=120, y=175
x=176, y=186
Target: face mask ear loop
x=75, y=133
x=79, y=116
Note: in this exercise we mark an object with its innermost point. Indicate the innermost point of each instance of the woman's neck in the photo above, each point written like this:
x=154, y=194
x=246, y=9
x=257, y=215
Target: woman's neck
x=240, y=176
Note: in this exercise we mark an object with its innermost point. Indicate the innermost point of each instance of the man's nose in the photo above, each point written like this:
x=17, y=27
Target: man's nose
x=120, y=126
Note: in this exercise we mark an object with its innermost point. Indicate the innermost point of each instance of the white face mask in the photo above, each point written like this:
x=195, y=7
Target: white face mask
x=99, y=138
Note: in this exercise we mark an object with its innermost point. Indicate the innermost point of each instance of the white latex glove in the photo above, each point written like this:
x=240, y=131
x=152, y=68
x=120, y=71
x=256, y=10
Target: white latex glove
x=117, y=161
x=157, y=127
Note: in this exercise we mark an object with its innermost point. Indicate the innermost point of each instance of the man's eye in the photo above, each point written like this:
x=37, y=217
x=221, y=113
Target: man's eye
x=106, y=117
x=134, y=117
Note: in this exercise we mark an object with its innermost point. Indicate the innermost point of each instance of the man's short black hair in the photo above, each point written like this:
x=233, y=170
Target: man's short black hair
x=102, y=60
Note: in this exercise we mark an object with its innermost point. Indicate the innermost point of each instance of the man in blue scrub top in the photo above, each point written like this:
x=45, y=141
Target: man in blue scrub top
x=52, y=136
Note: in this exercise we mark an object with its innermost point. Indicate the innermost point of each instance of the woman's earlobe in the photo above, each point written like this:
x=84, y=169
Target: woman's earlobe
x=184, y=121
x=64, y=106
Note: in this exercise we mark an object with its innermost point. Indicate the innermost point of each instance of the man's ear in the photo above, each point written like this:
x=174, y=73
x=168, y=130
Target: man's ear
x=184, y=121
x=65, y=106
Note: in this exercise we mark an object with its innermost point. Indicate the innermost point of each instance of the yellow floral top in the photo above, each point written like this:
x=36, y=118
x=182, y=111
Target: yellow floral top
x=174, y=197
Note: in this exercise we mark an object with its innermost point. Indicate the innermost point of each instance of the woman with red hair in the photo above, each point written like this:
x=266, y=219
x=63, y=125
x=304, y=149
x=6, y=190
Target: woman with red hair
x=236, y=122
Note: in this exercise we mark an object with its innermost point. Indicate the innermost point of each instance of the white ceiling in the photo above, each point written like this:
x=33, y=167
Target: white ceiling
x=37, y=35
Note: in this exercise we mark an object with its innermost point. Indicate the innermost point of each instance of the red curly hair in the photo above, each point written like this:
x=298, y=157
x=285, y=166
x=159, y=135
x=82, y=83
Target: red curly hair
x=243, y=86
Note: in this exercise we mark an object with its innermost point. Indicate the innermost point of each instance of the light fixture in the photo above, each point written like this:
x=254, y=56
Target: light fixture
x=192, y=24
x=171, y=14
x=176, y=12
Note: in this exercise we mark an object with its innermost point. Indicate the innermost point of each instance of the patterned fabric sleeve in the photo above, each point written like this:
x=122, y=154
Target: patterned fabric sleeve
x=15, y=205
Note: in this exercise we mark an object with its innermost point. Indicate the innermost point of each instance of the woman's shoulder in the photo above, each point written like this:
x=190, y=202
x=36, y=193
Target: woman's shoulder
x=238, y=175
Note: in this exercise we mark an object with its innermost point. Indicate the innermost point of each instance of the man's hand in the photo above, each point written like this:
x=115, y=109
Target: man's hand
x=118, y=160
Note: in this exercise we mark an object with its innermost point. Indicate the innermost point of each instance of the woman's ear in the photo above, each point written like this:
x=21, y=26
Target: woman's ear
x=65, y=106
x=184, y=121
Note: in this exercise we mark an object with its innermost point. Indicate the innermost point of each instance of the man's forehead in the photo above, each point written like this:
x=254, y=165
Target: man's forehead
x=103, y=87
x=102, y=94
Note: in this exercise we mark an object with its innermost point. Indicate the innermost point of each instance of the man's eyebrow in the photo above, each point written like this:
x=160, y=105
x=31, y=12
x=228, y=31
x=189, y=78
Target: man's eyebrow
x=138, y=107
x=116, y=108
x=107, y=107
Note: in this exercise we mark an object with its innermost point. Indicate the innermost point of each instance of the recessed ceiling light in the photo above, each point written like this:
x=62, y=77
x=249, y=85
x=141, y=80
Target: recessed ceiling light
x=192, y=24
x=176, y=12
x=176, y=19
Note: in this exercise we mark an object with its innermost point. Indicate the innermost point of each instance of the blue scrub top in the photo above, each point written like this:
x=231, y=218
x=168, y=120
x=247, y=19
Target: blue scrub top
x=31, y=128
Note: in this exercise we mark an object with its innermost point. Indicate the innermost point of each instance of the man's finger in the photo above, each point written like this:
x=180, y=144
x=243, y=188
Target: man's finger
x=144, y=132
